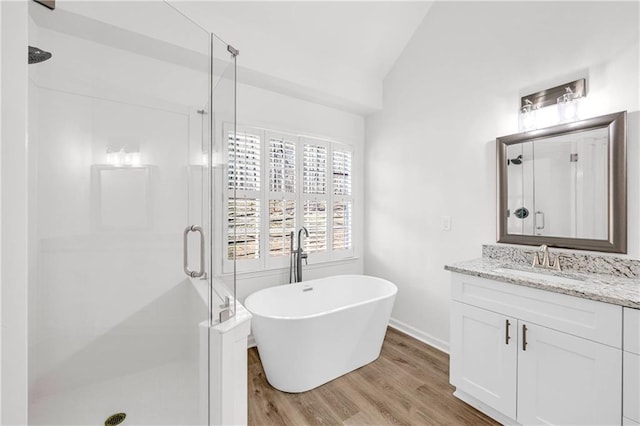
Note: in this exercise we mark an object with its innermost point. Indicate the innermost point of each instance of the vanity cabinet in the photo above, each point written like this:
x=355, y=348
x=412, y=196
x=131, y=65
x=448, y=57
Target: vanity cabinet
x=529, y=356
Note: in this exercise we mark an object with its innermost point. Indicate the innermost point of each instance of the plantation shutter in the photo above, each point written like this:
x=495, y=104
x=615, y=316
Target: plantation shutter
x=282, y=165
x=341, y=172
x=244, y=162
x=244, y=228
x=282, y=193
x=314, y=169
x=314, y=188
x=243, y=209
x=342, y=200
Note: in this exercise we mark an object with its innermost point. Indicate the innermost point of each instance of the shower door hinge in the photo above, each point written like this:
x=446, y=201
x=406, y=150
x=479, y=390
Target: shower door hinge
x=234, y=52
x=225, y=310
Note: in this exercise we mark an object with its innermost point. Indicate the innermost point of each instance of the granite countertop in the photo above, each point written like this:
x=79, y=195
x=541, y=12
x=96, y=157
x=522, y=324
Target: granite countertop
x=623, y=291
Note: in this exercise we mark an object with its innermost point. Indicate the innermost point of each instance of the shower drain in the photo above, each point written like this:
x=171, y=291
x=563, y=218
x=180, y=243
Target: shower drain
x=115, y=419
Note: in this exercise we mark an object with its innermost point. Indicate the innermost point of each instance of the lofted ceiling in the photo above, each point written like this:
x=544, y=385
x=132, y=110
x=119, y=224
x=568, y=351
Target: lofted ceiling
x=333, y=52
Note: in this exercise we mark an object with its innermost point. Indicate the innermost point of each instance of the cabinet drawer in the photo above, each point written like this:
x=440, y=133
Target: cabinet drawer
x=632, y=330
x=597, y=321
x=631, y=386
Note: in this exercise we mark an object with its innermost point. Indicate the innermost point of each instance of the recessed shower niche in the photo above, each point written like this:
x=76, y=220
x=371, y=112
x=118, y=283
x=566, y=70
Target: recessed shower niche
x=121, y=197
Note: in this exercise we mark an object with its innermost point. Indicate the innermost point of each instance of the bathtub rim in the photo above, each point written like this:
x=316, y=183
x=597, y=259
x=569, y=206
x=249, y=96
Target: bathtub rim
x=393, y=293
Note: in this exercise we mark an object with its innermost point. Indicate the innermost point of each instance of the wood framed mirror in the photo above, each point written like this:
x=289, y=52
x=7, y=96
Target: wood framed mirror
x=565, y=185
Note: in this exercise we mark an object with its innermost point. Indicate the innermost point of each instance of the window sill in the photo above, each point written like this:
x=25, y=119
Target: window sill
x=283, y=270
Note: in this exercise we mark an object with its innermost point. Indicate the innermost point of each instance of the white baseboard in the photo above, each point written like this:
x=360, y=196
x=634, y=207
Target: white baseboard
x=420, y=335
x=484, y=408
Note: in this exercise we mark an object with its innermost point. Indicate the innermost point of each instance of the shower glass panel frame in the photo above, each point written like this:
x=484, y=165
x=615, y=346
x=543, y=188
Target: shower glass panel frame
x=123, y=157
x=223, y=85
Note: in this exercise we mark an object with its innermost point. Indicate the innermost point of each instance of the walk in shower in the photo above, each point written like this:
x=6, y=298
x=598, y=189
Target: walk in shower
x=125, y=122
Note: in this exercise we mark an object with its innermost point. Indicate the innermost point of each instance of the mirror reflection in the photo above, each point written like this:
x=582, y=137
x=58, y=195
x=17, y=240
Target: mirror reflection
x=558, y=186
x=565, y=185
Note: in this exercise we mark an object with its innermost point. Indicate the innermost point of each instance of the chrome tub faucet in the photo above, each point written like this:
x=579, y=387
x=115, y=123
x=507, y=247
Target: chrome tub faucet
x=297, y=255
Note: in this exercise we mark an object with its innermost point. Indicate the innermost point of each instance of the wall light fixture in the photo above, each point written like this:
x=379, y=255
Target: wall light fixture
x=123, y=158
x=552, y=106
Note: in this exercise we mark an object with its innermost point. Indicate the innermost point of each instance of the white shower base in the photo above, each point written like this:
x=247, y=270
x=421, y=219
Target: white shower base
x=164, y=395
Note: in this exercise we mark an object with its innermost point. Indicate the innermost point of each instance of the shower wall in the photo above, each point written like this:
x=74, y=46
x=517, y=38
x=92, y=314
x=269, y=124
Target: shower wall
x=91, y=227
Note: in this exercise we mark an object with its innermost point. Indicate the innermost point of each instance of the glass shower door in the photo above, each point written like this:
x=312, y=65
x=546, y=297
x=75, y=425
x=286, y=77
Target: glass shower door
x=120, y=143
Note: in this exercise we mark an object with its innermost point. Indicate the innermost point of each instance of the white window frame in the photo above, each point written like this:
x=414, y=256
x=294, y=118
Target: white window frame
x=265, y=260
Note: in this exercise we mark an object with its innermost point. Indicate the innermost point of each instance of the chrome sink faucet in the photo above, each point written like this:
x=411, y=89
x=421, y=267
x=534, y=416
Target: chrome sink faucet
x=545, y=262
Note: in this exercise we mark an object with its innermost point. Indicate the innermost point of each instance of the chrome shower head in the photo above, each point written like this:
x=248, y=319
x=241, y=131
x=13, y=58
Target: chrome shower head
x=37, y=55
x=516, y=161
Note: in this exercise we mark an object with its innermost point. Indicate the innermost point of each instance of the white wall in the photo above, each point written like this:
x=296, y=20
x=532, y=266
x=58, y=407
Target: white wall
x=267, y=109
x=1, y=116
x=13, y=370
x=430, y=152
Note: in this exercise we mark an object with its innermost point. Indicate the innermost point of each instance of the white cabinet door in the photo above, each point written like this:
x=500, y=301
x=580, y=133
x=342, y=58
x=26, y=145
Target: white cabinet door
x=483, y=363
x=631, y=386
x=563, y=379
x=631, y=367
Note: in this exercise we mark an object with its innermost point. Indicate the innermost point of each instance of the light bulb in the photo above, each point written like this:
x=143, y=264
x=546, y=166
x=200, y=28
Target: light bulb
x=119, y=158
x=111, y=157
x=570, y=110
x=135, y=158
x=527, y=115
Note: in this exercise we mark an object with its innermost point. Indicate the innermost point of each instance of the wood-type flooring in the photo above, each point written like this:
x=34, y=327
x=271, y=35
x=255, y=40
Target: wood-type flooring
x=407, y=385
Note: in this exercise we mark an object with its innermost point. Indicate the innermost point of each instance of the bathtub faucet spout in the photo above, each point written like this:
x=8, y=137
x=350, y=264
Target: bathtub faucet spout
x=300, y=255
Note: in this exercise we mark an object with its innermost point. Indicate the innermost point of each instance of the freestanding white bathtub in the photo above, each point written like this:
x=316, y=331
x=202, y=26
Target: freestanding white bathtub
x=312, y=332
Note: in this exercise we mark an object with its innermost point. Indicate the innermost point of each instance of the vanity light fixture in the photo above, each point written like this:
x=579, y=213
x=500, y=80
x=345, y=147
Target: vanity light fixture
x=552, y=106
x=122, y=158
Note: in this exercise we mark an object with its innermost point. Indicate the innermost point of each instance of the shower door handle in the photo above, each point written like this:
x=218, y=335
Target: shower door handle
x=185, y=251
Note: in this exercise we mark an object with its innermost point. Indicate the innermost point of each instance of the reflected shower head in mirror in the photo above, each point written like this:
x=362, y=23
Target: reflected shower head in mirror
x=37, y=55
x=516, y=161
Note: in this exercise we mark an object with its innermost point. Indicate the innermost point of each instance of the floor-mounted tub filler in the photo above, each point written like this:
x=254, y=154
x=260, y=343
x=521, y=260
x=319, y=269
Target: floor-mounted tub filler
x=312, y=332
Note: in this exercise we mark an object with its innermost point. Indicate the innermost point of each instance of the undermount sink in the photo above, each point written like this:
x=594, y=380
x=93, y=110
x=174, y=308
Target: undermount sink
x=539, y=276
